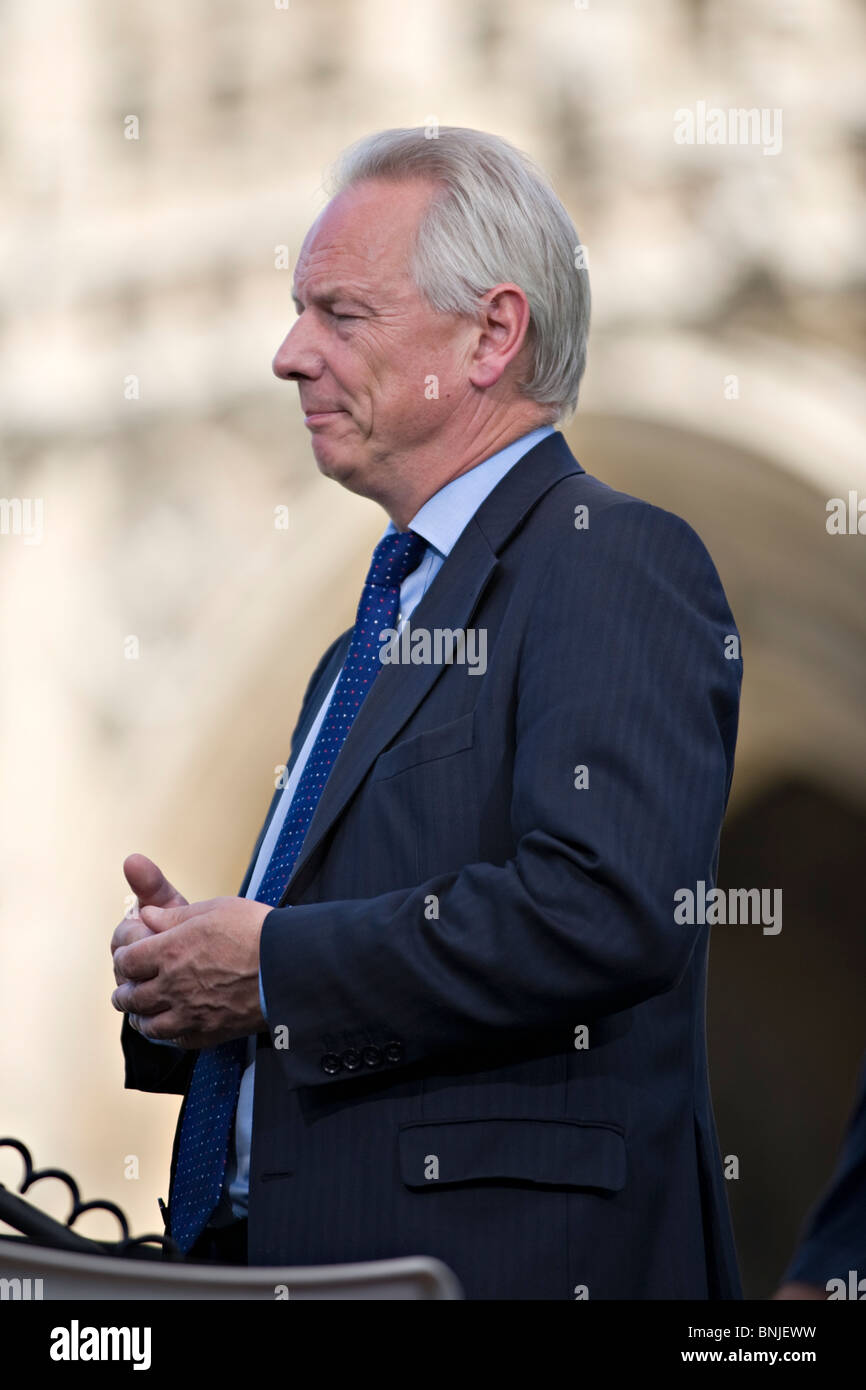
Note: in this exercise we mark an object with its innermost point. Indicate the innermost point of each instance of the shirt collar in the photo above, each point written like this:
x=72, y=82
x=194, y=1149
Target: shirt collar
x=444, y=515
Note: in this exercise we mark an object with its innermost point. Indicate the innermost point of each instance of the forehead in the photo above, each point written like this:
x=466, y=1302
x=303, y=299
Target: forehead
x=364, y=236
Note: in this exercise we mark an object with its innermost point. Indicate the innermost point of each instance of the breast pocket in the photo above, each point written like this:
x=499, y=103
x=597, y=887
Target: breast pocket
x=427, y=747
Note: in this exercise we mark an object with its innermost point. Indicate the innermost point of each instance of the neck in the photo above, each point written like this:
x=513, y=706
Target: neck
x=428, y=471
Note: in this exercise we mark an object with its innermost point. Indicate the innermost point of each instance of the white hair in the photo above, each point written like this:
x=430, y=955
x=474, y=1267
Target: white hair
x=494, y=218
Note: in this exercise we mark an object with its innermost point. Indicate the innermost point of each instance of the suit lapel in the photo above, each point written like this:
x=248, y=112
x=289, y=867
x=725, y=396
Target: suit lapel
x=317, y=694
x=449, y=603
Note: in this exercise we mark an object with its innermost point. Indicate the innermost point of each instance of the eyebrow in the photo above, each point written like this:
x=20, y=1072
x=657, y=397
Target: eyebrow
x=330, y=294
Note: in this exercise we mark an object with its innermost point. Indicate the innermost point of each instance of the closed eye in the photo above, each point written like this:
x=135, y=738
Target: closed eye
x=325, y=309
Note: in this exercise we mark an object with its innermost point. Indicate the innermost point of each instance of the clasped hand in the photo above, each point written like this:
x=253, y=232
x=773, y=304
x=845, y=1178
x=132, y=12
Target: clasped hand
x=187, y=973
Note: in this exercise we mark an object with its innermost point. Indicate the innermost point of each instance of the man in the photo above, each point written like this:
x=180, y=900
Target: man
x=477, y=1027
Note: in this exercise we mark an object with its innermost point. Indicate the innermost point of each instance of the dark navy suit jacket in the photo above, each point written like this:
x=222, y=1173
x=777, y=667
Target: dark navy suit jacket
x=460, y=910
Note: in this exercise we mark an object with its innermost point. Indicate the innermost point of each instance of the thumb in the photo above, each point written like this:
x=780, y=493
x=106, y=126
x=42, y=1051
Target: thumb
x=149, y=883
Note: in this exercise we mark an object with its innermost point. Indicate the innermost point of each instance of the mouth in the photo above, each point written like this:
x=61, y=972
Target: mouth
x=320, y=417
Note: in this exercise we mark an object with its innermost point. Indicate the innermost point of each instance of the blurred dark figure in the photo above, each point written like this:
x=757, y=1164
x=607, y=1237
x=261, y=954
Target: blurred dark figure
x=830, y=1262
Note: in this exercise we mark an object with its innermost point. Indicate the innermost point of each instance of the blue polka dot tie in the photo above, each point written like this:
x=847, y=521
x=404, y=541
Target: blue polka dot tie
x=213, y=1092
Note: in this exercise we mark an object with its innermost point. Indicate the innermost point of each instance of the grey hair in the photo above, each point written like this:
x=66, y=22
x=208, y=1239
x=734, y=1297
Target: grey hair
x=494, y=218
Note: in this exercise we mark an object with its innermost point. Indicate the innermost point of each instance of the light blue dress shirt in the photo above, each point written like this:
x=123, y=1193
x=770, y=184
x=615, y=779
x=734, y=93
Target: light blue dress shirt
x=440, y=522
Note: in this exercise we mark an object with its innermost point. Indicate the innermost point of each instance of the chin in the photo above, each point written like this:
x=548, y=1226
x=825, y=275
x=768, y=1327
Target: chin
x=331, y=465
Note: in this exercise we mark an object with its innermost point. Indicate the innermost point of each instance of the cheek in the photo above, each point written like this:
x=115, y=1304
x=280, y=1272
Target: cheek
x=440, y=366
x=419, y=379
x=359, y=370
x=406, y=374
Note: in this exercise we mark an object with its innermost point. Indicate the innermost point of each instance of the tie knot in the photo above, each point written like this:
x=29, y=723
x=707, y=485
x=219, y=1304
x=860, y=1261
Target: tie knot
x=394, y=557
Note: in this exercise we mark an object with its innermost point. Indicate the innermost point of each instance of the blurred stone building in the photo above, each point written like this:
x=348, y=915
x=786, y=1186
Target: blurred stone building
x=160, y=165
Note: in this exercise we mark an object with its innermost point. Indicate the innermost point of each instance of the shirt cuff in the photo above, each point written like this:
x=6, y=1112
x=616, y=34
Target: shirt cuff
x=262, y=996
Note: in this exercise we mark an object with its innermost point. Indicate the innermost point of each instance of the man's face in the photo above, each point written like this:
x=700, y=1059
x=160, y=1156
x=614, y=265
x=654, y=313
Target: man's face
x=366, y=343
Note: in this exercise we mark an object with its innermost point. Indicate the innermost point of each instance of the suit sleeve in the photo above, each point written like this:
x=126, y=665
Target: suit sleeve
x=160, y=1067
x=622, y=670
x=151, y=1067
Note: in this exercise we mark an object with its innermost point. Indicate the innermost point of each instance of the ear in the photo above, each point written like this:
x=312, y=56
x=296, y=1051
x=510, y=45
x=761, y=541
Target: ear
x=503, y=326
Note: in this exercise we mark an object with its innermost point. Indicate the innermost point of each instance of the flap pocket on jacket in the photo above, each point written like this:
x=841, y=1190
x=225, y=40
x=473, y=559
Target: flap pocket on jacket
x=424, y=747
x=545, y=1153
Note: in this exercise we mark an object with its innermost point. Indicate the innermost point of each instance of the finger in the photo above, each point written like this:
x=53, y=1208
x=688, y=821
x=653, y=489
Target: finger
x=128, y=931
x=149, y=883
x=141, y=999
x=120, y=978
x=140, y=961
x=139, y=1025
x=162, y=918
x=164, y=1027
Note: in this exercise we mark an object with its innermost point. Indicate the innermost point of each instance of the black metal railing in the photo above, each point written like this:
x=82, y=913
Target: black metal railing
x=40, y=1228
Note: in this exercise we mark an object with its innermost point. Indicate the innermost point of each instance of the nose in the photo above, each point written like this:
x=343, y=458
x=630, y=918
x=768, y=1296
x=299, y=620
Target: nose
x=297, y=358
